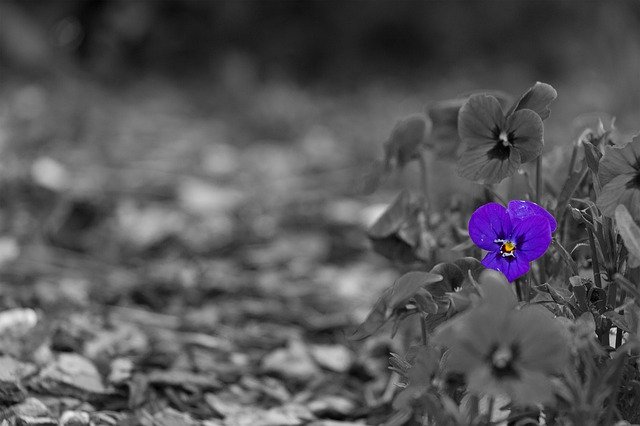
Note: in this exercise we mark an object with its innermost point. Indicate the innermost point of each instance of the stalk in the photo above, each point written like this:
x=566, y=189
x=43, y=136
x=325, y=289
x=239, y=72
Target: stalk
x=424, y=185
x=518, y=290
x=597, y=279
x=541, y=263
x=490, y=409
x=423, y=326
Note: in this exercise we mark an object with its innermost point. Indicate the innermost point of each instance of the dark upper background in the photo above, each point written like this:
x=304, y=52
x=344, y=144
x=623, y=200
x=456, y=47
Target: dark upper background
x=337, y=44
x=280, y=70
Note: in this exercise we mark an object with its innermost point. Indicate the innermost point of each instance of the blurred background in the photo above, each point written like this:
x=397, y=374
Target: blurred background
x=202, y=158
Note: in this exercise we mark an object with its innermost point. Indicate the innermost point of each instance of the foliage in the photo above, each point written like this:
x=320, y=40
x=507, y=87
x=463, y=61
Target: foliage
x=551, y=328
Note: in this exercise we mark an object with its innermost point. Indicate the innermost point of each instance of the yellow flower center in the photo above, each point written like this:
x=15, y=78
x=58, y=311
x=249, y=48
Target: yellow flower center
x=508, y=248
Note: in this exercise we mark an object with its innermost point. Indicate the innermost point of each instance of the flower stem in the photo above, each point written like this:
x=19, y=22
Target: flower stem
x=490, y=409
x=518, y=290
x=423, y=326
x=424, y=185
x=541, y=263
x=538, y=179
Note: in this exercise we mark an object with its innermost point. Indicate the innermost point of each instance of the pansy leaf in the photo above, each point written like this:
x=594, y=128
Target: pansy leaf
x=618, y=320
x=629, y=231
x=394, y=248
x=393, y=218
x=373, y=178
x=593, y=156
x=376, y=318
x=425, y=302
x=579, y=291
x=537, y=98
x=569, y=188
x=407, y=285
x=629, y=287
x=406, y=137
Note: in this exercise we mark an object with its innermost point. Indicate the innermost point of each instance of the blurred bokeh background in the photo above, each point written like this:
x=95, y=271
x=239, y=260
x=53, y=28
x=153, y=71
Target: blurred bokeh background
x=131, y=131
x=193, y=166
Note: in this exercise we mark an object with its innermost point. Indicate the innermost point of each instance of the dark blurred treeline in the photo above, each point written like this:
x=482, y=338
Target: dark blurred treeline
x=341, y=42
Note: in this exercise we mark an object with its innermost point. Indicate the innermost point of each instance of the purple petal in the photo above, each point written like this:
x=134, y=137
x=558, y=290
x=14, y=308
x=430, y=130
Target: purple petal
x=520, y=209
x=478, y=119
x=489, y=223
x=532, y=236
x=526, y=127
x=511, y=267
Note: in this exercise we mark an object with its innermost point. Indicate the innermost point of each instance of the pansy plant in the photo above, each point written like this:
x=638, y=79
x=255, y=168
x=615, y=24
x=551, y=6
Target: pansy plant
x=497, y=144
x=512, y=236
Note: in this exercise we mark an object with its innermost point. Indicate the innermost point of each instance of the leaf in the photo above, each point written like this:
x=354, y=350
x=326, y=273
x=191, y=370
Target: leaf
x=406, y=137
x=373, y=178
x=375, y=320
x=407, y=285
x=629, y=231
x=593, y=156
x=569, y=187
x=565, y=256
x=618, y=320
x=394, y=249
x=425, y=302
x=398, y=295
x=580, y=293
x=393, y=218
x=537, y=98
x=629, y=287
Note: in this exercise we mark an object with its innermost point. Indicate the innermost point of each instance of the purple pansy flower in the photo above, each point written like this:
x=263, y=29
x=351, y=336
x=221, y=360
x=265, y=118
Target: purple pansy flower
x=513, y=236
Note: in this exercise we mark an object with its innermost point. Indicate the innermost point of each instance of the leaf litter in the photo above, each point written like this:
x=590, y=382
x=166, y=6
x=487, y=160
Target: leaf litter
x=191, y=283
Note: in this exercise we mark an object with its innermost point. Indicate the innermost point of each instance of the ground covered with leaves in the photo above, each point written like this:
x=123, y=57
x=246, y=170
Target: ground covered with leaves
x=161, y=265
x=211, y=256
